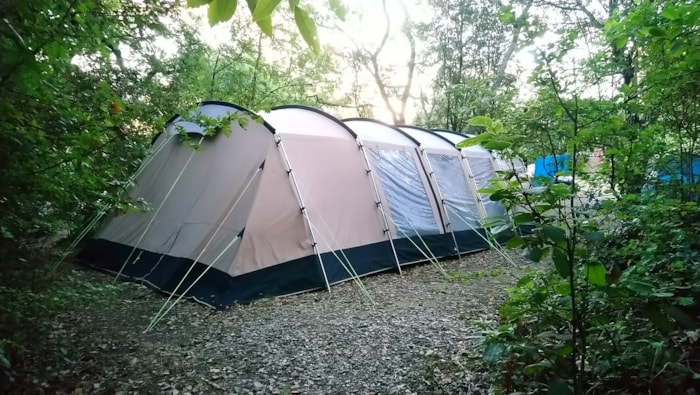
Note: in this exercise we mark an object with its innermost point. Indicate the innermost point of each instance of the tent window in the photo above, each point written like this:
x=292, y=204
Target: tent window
x=408, y=201
x=459, y=200
x=483, y=171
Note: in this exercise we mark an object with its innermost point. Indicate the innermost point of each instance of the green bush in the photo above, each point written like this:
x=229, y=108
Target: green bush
x=638, y=331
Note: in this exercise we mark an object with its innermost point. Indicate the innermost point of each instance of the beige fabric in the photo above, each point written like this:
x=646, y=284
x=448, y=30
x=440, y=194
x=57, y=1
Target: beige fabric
x=212, y=182
x=336, y=190
x=276, y=231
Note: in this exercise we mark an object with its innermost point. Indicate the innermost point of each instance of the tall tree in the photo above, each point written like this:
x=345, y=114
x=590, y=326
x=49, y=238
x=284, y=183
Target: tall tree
x=472, y=45
x=392, y=70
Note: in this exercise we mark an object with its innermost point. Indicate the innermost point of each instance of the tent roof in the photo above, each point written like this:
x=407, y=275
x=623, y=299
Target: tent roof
x=453, y=132
x=302, y=120
x=379, y=132
x=457, y=138
x=427, y=138
x=212, y=109
x=452, y=136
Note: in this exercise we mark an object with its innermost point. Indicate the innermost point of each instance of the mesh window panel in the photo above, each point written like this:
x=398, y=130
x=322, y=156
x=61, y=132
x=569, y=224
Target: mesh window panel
x=408, y=201
x=482, y=169
x=459, y=199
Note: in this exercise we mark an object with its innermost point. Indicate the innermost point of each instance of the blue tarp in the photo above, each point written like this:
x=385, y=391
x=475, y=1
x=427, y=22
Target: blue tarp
x=687, y=173
x=549, y=166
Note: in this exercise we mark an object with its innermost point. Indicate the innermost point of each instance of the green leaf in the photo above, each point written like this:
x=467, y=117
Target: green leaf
x=538, y=367
x=559, y=387
x=263, y=11
x=670, y=12
x=692, y=17
x=4, y=232
x=657, y=318
x=496, y=145
x=506, y=14
x=221, y=11
x=515, y=242
x=677, y=45
x=493, y=352
x=620, y=42
x=265, y=25
x=251, y=5
x=525, y=281
x=472, y=141
x=604, y=366
x=594, y=236
x=307, y=28
x=640, y=287
x=679, y=316
x=685, y=301
x=564, y=350
x=197, y=3
x=481, y=121
x=595, y=272
x=338, y=9
x=523, y=218
x=563, y=289
x=535, y=254
x=554, y=233
x=499, y=195
x=657, y=32
x=561, y=262
x=4, y=361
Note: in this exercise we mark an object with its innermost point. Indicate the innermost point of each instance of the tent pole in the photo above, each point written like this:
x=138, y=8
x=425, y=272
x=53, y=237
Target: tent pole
x=472, y=182
x=155, y=214
x=378, y=202
x=300, y=200
x=431, y=174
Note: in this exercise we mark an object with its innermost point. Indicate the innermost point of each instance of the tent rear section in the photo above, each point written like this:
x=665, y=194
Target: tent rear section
x=482, y=168
x=418, y=222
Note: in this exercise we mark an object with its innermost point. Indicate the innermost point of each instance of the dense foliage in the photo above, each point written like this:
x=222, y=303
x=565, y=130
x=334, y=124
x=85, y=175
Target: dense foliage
x=85, y=84
x=617, y=312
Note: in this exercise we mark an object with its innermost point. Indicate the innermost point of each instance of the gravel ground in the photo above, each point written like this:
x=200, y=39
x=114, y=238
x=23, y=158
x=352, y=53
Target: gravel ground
x=414, y=339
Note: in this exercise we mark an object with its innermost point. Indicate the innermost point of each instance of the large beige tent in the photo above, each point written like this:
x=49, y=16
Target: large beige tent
x=297, y=202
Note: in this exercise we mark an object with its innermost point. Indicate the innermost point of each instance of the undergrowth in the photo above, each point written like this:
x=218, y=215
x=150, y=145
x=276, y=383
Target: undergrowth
x=31, y=301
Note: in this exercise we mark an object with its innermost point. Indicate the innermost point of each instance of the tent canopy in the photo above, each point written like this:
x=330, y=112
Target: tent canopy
x=298, y=201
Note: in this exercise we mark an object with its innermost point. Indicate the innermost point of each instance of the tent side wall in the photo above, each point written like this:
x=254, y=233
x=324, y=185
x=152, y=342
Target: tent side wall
x=417, y=219
x=443, y=162
x=336, y=191
x=265, y=212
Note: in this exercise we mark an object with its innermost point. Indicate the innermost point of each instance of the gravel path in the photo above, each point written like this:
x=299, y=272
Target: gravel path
x=415, y=339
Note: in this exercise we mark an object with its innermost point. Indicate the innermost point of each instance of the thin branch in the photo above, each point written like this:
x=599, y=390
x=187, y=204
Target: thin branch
x=517, y=29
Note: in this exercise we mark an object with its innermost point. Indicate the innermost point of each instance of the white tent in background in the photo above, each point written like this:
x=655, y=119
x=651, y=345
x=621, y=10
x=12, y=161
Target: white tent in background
x=456, y=188
x=298, y=202
x=482, y=166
